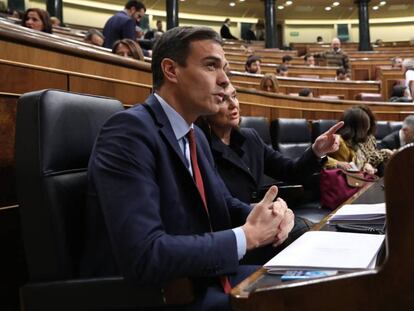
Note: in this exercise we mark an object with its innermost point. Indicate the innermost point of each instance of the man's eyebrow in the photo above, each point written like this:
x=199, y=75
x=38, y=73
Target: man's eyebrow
x=213, y=58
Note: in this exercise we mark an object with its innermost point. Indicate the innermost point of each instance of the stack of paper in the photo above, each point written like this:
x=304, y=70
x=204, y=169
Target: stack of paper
x=359, y=213
x=326, y=250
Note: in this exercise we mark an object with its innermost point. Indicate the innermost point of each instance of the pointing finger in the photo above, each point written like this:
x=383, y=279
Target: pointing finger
x=334, y=128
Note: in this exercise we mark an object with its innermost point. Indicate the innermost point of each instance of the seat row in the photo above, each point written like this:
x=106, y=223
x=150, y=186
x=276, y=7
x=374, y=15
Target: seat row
x=291, y=137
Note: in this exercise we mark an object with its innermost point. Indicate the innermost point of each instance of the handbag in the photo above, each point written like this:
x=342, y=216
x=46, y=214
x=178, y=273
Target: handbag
x=337, y=185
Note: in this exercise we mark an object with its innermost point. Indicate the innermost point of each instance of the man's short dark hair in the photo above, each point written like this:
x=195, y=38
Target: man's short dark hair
x=175, y=44
x=138, y=5
x=304, y=92
x=252, y=59
x=340, y=70
x=282, y=68
x=287, y=58
x=307, y=56
x=91, y=32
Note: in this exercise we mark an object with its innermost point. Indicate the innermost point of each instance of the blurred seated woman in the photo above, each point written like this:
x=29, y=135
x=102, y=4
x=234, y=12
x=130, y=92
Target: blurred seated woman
x=357, y=144
x=128, y=48
x=400, y=93
x=37, y=19
x=269, y=83
x=242, y=158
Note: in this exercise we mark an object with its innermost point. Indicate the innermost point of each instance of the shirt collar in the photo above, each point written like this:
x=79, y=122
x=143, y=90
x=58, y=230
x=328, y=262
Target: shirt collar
x=178, y=124
x=402, y=140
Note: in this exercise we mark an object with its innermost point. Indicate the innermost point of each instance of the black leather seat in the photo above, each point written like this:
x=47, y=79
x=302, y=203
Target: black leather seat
x=321, y=126
x=260, y=124
x=290, y=136
x=383, y=129
x=55, y=132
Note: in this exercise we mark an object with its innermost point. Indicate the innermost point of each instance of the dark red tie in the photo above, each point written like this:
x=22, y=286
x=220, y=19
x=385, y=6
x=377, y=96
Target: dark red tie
x=199, y=182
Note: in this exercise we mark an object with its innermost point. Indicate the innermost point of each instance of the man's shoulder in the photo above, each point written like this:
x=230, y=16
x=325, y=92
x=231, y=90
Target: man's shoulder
x=391, y=141
x=137, y=114
x=119, y=17
x=392, y=136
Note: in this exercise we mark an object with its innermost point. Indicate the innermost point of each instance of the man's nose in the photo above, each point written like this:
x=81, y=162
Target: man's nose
x=223, y=79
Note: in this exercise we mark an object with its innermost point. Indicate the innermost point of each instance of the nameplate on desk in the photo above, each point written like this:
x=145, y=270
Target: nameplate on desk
x=327, y=250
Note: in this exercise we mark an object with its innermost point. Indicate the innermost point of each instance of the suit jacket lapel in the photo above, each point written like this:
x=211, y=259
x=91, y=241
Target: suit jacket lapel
x=160, y=118
x=219, y=217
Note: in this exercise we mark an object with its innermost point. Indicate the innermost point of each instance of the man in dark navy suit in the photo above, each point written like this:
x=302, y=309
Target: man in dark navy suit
x=225, y=30
x=399, y=138
x=157, y=208
x=122, y=24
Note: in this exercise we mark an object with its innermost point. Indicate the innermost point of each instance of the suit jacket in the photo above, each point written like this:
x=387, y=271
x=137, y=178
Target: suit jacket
x=225, y=33
x=119, y=26
x=391, y=141
x=244, y=162
x=145, y=216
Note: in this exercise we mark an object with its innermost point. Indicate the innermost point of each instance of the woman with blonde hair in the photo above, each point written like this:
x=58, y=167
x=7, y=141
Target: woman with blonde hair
x=269, y=83
x=128, y=48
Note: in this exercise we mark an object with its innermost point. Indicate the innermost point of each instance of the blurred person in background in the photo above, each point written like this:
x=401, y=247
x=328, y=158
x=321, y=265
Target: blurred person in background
x=128, y=48
x=309, y=60
x=253, y=64
x=269, y=83
x=95, y=37
x=37, y=19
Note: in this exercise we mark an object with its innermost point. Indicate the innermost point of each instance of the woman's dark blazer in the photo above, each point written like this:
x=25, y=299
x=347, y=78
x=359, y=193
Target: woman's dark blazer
x=243, y=163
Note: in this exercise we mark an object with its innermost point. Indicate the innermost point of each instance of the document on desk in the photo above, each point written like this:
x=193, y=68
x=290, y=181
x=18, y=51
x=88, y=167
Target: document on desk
x=325, y=250
x=359, y=213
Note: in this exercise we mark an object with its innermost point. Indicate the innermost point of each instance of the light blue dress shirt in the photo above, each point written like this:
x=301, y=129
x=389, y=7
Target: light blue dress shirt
x=180, y=129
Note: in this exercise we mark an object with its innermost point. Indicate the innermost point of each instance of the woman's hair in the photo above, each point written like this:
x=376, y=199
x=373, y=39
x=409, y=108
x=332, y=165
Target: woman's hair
x=356, y=125
x=44, y=17
x=398, y=90
x=372, y=119
x=136, y=51
x=269, y=77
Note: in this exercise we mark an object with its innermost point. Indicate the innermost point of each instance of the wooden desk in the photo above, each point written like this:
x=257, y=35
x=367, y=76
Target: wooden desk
x=389, y=77
x=388, y=287
x=348, y=89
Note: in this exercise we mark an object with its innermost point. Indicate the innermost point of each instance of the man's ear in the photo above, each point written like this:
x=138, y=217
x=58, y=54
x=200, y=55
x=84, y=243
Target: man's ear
x=170, y=69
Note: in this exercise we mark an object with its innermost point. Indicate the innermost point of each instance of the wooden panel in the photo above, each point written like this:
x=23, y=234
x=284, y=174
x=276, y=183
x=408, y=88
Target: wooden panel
x=127, y=93
x=58, y=60
x=347, y=89
x=8, y=105
x=389, y=77
x=366, y=69
x=19, y=80
x=274, y=106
